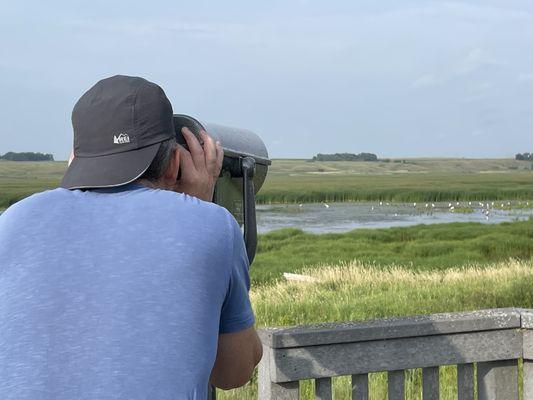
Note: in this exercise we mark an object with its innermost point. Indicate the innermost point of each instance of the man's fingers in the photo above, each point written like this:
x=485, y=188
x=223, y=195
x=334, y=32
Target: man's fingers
x=187, y=166
x=220, y=158
x=210, y=151
x=195, y=148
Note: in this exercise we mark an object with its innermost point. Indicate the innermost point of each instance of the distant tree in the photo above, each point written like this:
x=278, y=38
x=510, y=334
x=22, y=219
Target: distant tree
x=27, y=156
x=345, y=157
x=524, y=157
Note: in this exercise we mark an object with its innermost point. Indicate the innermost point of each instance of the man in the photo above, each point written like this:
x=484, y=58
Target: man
x=126, y=282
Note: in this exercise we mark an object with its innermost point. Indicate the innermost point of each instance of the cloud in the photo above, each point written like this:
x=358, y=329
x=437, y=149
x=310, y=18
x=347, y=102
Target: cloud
x=143, y=27
x=469, y=64
x=426, y=80
x=475, y=59
x=525, y=77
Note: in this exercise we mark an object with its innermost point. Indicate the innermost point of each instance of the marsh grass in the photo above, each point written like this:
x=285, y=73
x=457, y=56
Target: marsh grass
x=421, y=247
x=422, y=180
x=464, y=210
x=357, y=291
x=409, y=187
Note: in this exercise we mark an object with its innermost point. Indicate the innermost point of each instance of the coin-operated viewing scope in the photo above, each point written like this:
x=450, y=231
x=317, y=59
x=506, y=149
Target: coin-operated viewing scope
x=244, y=170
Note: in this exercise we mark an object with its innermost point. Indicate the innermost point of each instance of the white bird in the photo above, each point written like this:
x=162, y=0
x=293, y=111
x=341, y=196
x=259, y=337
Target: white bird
x=372, y=208
x=452, y=208
x=326, y=205
x=433, y=205
x=469, y=203
x=300, y=205
x=427, y=205
x=449, y=204
x=414, y=204
x=380, y=203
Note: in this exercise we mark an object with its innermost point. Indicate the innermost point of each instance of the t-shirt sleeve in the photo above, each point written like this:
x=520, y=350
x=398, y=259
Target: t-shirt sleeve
x=237, y=313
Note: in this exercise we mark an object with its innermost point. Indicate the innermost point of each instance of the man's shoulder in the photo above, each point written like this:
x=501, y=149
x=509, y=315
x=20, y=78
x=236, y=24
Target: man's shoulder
x=180, y=201
x=181, y=209
x=36, y=200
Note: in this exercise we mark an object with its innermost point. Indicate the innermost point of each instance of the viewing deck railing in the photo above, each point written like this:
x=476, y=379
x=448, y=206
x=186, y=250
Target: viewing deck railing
x=493, y=340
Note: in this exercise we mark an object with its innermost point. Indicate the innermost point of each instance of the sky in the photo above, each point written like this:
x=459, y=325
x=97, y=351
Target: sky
x=399, y=78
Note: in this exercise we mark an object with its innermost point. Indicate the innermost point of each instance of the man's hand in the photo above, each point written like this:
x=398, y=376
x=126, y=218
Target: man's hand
x=200, y=167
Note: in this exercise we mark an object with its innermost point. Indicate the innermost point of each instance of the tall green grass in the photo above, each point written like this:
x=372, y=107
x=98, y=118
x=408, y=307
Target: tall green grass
x=421, y=247
x=358, y=291
x=409, y=187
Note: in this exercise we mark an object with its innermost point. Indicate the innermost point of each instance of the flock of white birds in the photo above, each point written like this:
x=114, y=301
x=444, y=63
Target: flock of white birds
x=486, y=207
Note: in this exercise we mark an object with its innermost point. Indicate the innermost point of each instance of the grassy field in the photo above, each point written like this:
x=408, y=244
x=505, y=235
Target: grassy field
x=359, y=291
x=20, y=179
x=298, y=181
x=422, y=247
x=292, y=181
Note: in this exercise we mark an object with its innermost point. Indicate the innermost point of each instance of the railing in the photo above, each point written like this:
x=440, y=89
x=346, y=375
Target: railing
x=494, y=340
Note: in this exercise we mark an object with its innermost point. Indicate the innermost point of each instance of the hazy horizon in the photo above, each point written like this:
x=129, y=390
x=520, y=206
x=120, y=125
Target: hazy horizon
x=379, y=159
x=401, y=79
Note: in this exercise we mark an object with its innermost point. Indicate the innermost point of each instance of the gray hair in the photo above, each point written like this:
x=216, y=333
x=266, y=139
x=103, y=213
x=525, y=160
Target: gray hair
x=160, y=162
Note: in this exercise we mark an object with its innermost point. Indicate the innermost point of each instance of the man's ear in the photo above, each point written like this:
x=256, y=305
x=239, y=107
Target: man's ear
x=171, y=174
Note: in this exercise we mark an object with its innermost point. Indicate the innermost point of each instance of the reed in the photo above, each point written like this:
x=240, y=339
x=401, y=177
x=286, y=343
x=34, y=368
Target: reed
x=429, y=187
x=421, y=247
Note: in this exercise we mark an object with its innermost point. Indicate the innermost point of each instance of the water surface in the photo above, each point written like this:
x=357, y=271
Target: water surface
x=342, y=217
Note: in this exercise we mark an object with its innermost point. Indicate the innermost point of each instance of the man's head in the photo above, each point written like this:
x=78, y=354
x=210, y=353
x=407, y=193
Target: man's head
x=123, y=131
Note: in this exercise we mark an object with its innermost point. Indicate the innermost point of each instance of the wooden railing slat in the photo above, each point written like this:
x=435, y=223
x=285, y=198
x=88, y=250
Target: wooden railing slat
x=360, y=387
x=323, y=390
x=528, y=379
x=465, y=381
x=497, y=380
x=392, y=328
x=430, y=383
x=396, y=385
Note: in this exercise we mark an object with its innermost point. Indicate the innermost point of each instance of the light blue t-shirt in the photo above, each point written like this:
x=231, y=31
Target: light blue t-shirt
x=117, y=294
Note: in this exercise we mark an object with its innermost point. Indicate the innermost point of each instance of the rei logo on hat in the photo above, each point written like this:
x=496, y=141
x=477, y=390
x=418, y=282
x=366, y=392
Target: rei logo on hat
x=121, y=139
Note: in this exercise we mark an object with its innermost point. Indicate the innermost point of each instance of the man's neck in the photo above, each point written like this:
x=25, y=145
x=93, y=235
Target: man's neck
x=152, y=185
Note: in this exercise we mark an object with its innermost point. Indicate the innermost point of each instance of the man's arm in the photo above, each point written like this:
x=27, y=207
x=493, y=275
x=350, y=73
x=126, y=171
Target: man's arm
x=237, y=355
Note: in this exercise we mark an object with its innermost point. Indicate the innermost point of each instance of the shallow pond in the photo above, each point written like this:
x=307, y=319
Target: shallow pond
x=342, y=217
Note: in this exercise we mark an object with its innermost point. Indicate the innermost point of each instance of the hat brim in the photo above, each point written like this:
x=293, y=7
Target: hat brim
x=108, y=171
